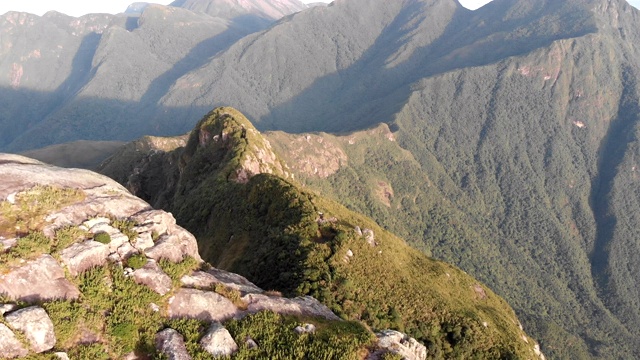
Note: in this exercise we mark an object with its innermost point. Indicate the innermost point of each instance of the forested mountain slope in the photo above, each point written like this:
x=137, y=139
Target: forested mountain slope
x=234, y=192
x=100, y=76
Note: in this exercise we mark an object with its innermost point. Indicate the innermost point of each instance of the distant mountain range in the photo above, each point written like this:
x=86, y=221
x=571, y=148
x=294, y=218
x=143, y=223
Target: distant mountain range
x=503, y=140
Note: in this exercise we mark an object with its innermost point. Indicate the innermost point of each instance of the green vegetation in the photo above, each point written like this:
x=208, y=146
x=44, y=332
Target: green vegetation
x=102, y=237
x=35, y=244
x=177, y=270
x=136, y=261
x=277, y=340
x=31, y=207
x=125, y=227
x=288, y=239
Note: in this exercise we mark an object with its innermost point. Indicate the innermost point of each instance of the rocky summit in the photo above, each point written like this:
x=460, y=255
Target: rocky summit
x=88, y=270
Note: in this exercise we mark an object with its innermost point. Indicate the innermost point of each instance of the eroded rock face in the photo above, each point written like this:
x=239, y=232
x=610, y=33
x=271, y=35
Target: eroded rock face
x=39, y=280
x=170, y=343
x=218, y=342
x=202, y=305
x=36, y=326
x=304, y=305
x=10, y=346
x=399, y=343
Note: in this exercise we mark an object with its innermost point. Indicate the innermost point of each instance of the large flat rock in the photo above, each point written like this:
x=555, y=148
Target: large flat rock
x=202, y=305
x=39, y=280
x=83, y=256
x=304, y=305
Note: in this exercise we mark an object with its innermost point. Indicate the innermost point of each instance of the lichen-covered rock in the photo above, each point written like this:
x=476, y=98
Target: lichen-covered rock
x=398, y=343
x=202, y=305
x=36, y=326
x=39, y=280
x=82, y=256
x=206, y=279
x=171, y=344
x=304, y=305
x=218, y=342
x=10, y=346
x=152, y=276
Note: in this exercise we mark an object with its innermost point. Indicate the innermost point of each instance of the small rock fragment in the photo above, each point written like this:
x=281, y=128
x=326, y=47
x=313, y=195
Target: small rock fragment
x=218, y=341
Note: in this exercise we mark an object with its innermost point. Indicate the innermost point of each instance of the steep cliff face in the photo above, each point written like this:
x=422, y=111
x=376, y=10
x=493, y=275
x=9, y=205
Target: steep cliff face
x=88, y=270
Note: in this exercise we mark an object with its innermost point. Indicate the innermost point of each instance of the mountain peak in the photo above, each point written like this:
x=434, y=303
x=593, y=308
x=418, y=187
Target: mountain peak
x=226, y=137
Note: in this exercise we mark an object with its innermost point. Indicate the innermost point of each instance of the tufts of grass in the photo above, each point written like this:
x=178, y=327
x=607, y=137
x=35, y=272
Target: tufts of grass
x=31, y=207
x=231, y=294
x=177, y=270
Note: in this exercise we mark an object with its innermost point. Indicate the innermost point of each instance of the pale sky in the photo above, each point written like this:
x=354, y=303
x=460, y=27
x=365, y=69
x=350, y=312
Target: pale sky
x=81, y=7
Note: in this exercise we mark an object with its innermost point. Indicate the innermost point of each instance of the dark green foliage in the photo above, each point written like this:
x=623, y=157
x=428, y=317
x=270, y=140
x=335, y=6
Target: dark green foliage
x=136, y=261
x=102, y=237
x=285, y=238
x=276, y=339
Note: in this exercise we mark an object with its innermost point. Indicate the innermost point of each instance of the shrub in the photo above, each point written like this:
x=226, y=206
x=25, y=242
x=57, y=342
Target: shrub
x=137, y=261
x=102, y=237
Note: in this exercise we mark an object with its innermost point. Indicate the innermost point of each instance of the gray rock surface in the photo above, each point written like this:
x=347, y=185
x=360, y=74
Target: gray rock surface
x=202, y=305
x=218, y=342
x=10, y=346
x=304, y=305
x=305, y=329
x=153, y=277
x=398, y=343
x=83, y=256
x=39, y=280
x=170, y=343
x=206, y=279
x=36, y=326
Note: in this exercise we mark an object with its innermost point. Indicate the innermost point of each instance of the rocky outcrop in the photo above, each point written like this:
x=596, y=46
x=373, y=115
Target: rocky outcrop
x=398, y=343
x=38, y=280
x=150, y=233
x=170, y=343
x=202, y=305
x=218, y=342
x=36, y=325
